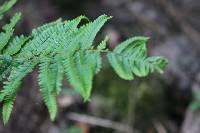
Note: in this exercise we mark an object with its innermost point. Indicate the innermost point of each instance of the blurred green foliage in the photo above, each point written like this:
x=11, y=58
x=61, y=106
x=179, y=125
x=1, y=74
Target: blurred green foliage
x=74, y=129
x=196, y=101
x=145, y=97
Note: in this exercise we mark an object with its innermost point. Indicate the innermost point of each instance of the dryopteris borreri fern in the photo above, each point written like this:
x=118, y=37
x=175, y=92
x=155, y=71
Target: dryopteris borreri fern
x=61, y=48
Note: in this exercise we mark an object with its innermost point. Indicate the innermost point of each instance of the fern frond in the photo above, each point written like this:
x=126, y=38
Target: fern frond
x=45, y=80
x=130, y=57
x=6, y=6
x=11, y=86
x=65, y=47
x=8, y=28
x=7, y=109
x=80, y=70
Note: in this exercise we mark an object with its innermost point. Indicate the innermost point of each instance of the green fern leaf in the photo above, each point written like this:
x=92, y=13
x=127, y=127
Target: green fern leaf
x=62, y=47
x=121, y=66
x=80, y=70
x=11, y=88
x=8, y=28
x=130, y=57
x=17, y=74
x=6, y=6
x=47, y=87
x=7, y=109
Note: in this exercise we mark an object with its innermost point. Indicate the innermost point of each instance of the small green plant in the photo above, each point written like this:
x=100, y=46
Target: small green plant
x=63, y=48
x=195, y=104
x=74, y=129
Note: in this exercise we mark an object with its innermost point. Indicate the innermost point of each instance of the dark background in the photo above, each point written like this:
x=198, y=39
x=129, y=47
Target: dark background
x=157, y=104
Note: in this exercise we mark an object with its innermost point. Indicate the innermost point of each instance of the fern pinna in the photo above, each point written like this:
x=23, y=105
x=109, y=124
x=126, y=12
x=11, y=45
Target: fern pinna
x=62, y=48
